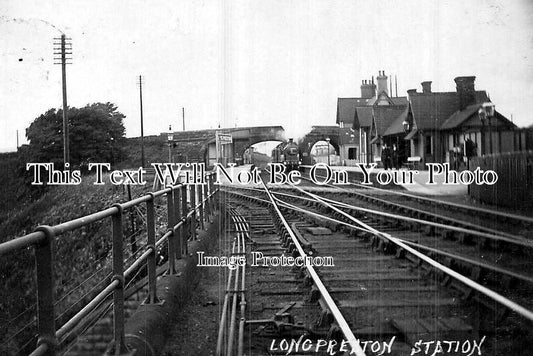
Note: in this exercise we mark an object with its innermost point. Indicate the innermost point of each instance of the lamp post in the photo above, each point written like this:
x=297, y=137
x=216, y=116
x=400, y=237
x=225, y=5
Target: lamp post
x=327, y=140
x=406, y=126
x=112, y=141
x=170, y=139
x=406, y=146
x=486, y=113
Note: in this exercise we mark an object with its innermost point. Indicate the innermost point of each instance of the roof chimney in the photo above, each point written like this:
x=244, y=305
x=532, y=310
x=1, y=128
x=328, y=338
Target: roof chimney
x=411, y=92
x=426, y=87
x=465, y=91
x=382, y=82
x=368, y=90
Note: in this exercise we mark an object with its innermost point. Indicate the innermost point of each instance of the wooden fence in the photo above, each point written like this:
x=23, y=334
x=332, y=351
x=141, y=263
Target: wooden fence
x=514, y=187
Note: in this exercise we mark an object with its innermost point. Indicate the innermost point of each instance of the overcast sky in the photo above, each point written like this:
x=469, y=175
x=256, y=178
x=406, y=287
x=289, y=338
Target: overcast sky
x=255, y=63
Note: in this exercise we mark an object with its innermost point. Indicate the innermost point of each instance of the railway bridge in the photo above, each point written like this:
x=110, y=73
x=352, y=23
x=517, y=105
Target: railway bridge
x=200, y=145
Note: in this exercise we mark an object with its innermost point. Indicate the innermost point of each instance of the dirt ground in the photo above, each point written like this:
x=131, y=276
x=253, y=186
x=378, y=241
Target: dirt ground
x=196, y=328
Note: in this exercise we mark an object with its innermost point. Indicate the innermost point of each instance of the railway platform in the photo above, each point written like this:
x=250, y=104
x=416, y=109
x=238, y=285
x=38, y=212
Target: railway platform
x=418, y=185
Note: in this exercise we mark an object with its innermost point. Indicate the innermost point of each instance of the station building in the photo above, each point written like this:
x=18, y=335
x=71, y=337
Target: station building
x=426, y=126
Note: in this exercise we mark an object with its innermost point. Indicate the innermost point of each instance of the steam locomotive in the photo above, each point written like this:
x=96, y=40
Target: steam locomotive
x=287, y=153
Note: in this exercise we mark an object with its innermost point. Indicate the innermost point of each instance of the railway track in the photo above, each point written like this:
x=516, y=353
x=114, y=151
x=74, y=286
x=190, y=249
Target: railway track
x=474, y=217
x=396, y=285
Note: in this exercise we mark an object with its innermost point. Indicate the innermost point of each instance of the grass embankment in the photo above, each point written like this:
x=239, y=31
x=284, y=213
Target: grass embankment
x=82, y=257
x=155, y=151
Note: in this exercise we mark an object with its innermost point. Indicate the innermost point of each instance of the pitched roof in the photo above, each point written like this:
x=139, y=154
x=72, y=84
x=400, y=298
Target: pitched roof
x=460, y=117
x=400, y=100
x=431, y=110
x=363, y=117
x=384, y=116
x=346, y=109
x=396, y=127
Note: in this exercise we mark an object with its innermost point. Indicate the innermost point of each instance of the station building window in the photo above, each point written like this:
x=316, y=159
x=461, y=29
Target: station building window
x=352, y=153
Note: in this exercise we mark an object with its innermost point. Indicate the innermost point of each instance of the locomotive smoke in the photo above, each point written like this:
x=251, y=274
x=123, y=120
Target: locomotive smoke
x=297, y=131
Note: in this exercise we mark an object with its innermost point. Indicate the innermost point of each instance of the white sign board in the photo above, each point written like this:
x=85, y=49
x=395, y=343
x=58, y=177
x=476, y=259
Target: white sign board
x=225, y=138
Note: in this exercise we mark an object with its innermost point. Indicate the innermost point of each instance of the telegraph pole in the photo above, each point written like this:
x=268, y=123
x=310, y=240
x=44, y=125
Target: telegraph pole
x=140, y=83
x=65, y=48
x=183, y=116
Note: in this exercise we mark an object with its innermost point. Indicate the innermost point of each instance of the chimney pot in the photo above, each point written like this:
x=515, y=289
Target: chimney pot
x=426, y=87
x=368, y=90
x=382, y=83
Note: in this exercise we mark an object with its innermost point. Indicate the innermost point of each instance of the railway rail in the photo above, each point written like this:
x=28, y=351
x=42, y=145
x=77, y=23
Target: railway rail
x=398, y=282
x=316, y=270
x=438, y=208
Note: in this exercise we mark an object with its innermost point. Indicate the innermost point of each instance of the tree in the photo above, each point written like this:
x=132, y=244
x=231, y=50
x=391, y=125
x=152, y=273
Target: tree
x=95, y=135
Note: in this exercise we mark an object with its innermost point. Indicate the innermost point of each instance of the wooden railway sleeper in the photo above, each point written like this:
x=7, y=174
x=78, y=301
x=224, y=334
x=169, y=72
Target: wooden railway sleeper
x=446, y=234
x=429, y=230
x=464, y=238
x=290, y=248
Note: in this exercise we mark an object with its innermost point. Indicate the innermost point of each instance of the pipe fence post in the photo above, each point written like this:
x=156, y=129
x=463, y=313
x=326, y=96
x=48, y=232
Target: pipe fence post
x=171, y=242
x=152, y=266
x=44, y=256
x=183, y=229
x=212, y=188
x=118, y=275
x=205, y=187
x=202, y=205
x=192, y=192
x=177, y=214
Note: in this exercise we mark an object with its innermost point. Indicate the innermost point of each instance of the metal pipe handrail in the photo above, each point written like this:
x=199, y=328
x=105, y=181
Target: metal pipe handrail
x=43, y=240
x=70, y=324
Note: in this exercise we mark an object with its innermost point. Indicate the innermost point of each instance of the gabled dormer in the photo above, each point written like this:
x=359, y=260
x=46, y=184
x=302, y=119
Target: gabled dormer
x=381, y=99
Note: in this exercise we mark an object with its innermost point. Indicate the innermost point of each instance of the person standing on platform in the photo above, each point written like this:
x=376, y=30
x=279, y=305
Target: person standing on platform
x=386, y=157
x=395, y=157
